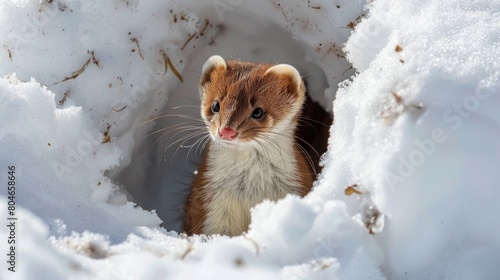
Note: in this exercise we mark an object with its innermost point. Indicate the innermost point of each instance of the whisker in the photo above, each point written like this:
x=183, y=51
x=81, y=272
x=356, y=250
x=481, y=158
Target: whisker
x=173, y=128
x=172, y=115
x=303, y=123
x=154, y=143
x=274, y=144
x=306, y=75
x=302, y=149
x=206, y=142
x=185, y=106
x=182, y=130
x=182, y=139
x=197, y=130
x=309, y=145
x=270, y=140
x=195, y=144
x=313, y=120
x=262, y=147
x=202, y=144
x=308, y=158
x=181, y=145
x=161, y=136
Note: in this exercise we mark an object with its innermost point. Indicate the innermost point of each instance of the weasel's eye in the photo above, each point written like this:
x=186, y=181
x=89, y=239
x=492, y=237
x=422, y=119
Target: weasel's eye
x=257, y=113
x=215, y=107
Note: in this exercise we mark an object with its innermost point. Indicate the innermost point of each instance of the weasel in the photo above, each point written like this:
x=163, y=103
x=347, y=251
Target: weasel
x=251, y=111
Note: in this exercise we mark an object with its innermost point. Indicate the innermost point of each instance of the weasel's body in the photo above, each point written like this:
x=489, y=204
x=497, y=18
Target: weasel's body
x=251, y=111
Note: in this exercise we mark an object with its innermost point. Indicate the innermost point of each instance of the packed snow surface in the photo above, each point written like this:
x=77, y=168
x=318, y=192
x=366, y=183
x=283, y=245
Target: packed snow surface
x=415, y=135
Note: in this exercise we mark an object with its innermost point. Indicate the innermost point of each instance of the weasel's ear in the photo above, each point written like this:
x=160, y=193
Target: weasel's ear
x=210, y=65
x=290, y=76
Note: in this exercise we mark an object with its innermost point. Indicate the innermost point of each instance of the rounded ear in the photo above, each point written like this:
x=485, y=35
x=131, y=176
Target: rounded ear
x=210, y=65
x=288, y=72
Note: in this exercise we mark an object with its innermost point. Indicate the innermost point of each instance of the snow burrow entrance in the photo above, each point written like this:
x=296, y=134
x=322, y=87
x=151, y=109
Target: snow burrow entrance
x=158, y=178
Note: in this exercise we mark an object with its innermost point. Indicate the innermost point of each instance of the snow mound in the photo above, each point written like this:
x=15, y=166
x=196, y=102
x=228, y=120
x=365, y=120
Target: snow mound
x=60, y=162
x=417, y=128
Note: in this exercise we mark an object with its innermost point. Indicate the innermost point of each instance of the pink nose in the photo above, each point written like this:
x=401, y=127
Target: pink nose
x=227, y=133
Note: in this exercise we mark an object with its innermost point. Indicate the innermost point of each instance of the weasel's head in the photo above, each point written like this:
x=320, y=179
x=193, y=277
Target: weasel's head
x=242, y=102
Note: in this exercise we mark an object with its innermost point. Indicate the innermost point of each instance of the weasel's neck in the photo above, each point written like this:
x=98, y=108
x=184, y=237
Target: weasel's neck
x=278, y=156
x=238, y=179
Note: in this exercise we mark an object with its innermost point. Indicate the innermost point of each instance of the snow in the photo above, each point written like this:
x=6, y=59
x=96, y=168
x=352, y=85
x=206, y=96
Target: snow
x=416, y=132
x=430, y=170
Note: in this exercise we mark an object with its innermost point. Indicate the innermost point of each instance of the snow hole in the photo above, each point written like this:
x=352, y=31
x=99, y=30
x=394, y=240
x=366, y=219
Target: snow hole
x=159, y=178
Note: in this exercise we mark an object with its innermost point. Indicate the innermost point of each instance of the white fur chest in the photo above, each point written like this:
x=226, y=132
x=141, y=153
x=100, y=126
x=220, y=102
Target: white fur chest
x=240, y=179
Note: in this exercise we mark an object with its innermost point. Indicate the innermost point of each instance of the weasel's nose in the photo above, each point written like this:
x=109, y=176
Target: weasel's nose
x=227, y=133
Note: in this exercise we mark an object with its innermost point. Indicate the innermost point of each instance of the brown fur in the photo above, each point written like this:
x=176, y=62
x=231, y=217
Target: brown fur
x=227, y=87
x=195, y=211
